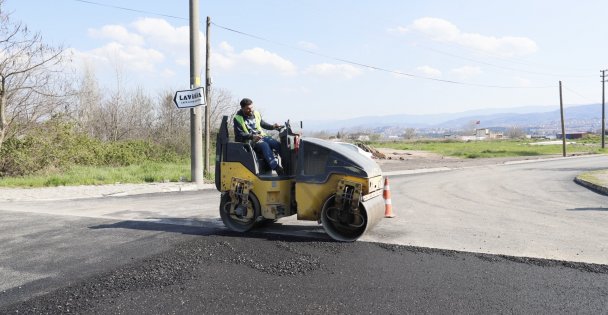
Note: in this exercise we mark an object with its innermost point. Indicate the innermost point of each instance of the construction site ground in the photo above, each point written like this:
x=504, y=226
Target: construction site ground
x=410, y=160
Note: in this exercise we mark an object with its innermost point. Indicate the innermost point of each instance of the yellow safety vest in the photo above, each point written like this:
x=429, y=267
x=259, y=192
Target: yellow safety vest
x=258, y=120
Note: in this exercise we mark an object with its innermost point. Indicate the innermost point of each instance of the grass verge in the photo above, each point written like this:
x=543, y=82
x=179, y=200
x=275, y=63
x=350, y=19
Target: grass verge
x=146, y=172
x=490, y=149
x=596, y=177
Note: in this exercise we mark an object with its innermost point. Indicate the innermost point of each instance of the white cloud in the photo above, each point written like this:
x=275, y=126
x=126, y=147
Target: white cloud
x=467, y=72
x=428, y=71
x=307, y=45
x=226, y=58
x=444, y=31
x=328, y=69
x=142, y=45
x=224, y=46
x=117, y=33
x=222, y=61
x=152, y=45
x=133, y=57
x=160, y=32
x=263, y=57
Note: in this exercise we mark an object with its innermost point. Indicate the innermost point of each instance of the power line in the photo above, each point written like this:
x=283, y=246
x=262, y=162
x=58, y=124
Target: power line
x=359, y=64
x=132, y=10
x=513, y=60
x=502, y=67
x=376, y=67
x=579, y=94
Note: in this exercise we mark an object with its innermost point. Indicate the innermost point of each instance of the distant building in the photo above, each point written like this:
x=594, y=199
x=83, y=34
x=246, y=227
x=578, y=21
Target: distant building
x=482, y=132
x=572, y=135
x=485, y=133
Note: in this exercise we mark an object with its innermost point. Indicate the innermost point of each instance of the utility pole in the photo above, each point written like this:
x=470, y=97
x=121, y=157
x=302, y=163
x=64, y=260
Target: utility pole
x=196, y=132
x=207, y=99
x=561, y=109
x=603, y=112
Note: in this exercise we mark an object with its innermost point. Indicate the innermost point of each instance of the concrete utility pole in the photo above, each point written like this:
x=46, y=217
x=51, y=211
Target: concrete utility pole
x=207, y=99
x=196, y=132
x=603, y=112
x=561, y=110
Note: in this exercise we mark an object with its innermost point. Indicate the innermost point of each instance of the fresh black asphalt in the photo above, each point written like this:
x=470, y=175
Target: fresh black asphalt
x=225, y=272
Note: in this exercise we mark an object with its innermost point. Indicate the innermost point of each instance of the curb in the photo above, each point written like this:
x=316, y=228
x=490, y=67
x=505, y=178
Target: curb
x=101, y=191
x=595, y=187
x=119, y=190
x=417, y=171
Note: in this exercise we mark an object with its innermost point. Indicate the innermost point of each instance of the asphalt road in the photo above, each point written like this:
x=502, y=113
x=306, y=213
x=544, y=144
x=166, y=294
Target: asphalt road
x=274, y=274
x=520, y=209
x=120, y=255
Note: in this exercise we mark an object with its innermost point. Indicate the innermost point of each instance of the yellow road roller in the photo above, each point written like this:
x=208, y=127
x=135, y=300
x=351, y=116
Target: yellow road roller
x=322, y=181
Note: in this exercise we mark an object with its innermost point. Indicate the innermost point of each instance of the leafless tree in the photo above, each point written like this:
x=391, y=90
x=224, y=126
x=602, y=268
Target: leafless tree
x=170, y=119
x=409, y=133
x=223, y=102
x=172, y=125
x=124, y=115
x=140, y=115
x=88, y=102
x=515, y=132
x=28, y=77
x=117, y=114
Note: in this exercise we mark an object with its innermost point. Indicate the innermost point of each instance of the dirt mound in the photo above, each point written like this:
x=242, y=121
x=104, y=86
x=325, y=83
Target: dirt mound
x=394, y=154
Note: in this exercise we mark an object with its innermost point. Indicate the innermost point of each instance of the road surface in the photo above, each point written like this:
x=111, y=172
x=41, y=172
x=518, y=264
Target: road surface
x=169, y=252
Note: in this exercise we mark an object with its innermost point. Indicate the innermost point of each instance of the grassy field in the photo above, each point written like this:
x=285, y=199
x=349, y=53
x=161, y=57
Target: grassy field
x=489, y=149
x=148, y=172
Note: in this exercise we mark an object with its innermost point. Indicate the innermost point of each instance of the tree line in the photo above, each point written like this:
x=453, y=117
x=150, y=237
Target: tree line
x=38, y=85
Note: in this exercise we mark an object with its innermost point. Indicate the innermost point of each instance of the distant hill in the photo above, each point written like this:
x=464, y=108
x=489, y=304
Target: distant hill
x=522, y=117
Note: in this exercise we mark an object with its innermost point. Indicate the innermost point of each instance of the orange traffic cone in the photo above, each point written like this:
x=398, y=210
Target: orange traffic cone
x=388, y=205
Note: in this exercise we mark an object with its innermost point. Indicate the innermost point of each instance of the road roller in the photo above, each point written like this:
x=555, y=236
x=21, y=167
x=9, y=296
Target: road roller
x=321, y=181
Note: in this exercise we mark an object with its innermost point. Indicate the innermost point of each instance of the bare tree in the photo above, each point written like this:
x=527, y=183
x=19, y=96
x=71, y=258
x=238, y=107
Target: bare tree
x=119, y=114
x=170, y=119
x=139, y=115
x=88, y=102
x=124, y=115
x=222, y=103
x=172, y=125
x=28, y=77
x=409, y=133
x=515, y=132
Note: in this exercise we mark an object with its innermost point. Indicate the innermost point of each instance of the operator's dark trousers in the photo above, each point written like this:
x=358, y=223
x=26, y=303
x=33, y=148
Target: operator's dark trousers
x=266, y=145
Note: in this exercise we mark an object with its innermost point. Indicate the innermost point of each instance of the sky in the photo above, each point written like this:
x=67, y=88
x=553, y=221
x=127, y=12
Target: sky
x=318, y=60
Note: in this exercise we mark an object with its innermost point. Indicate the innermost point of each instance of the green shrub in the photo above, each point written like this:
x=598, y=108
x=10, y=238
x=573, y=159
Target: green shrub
x=56, y=145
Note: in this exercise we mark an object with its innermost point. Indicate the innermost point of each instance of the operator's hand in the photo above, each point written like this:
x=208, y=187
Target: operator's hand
x=276, y=126
x=257, y=138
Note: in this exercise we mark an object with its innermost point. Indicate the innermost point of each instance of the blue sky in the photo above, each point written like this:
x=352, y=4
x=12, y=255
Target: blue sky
x=344, y=59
